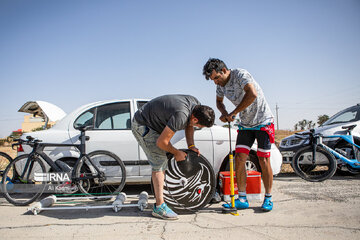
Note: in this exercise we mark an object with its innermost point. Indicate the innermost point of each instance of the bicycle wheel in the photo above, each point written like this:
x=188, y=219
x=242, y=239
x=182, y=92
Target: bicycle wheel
x=324, y=167
x=190, y=184
x=23, y=191
x=112, y=173
x=5, y=160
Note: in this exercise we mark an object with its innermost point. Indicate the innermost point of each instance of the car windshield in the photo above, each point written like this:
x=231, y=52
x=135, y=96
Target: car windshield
x=348, y=115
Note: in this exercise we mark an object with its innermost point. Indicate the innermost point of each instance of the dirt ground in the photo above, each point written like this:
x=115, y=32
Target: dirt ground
x=302, y=210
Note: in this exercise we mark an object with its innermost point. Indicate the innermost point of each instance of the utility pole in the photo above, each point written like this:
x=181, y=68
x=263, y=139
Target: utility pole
x=277, y=117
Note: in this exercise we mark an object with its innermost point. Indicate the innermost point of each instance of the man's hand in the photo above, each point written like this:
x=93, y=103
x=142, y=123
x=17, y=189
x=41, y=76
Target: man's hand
x=180, y=156
x=195, y=150
x=228, y=117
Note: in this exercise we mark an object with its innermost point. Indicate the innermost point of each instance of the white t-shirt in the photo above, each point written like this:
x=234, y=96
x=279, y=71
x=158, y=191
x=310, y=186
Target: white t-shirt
x=259, y=111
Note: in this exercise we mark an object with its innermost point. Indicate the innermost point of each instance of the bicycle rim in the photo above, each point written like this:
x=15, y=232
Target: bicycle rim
x=4, y=162
x=110, y=166
x=323, y=168
x=189, y=185
x=23, y=191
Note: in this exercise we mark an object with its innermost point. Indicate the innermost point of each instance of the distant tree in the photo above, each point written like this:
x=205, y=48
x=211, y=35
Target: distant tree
x=310, y=124
x=322, y=119
x=304, y=124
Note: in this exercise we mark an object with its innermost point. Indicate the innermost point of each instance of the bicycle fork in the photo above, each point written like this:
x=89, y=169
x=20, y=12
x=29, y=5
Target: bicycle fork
x=25, y=171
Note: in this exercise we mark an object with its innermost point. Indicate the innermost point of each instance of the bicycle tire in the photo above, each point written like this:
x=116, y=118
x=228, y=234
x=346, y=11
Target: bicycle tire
x=109, y=164
x=21, y=192
x=190, y=184
x=324, y=167
x=5, y=160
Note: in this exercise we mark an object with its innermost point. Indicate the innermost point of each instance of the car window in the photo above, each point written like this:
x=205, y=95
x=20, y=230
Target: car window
x=141, y=103
x=113, y=116
x=85, y=119
x=343, y=117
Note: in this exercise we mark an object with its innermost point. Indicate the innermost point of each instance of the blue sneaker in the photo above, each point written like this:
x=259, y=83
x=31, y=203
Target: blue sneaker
x=164, y=212
x=267, y=205
x=240, y=203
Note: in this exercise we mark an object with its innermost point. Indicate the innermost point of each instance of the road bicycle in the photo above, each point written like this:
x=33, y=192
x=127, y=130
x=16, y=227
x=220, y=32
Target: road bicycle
x=96, y=173
x=318, y=162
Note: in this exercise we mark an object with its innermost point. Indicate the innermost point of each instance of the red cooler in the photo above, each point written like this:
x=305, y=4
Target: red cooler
x=253, y=185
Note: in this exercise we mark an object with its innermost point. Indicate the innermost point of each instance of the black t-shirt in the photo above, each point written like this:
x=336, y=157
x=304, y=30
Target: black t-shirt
x=173, y=111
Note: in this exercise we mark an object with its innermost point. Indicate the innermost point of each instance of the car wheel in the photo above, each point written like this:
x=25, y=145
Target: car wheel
x=252, y=163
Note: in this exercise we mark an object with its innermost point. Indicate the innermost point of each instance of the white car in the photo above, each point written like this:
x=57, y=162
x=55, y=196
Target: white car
x=112, y=132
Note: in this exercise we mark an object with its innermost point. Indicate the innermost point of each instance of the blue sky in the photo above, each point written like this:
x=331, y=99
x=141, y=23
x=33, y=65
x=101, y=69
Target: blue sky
x=305, y=54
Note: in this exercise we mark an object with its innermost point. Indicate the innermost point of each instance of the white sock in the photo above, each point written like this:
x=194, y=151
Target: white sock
x=242, y=194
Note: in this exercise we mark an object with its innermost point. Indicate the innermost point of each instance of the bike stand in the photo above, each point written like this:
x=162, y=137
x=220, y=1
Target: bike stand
x=47, y=203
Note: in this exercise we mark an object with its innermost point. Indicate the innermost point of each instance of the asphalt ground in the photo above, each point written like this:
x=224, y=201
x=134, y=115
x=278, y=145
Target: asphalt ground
x=302, y=210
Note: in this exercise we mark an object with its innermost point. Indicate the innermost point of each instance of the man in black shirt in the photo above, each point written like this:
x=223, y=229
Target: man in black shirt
x=153, y=127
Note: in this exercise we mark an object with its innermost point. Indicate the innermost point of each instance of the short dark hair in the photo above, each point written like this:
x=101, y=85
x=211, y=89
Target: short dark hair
x=213, y=64
x=204, y=114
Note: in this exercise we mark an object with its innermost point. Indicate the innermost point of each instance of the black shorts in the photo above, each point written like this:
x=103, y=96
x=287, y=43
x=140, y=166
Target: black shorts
x=245, y=139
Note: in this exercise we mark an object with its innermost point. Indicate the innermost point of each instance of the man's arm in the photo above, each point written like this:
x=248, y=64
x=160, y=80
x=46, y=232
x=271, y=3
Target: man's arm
x=163, y=142
x=249, y=98
x=189, y=135
x=220, y=105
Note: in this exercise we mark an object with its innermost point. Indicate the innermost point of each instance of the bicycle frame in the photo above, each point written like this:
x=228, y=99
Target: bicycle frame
x=354, y=163
x=38, y=150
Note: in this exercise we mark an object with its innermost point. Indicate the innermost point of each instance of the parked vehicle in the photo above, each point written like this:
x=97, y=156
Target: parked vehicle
x=349, y=116
x=112, y=132
x=316, y=162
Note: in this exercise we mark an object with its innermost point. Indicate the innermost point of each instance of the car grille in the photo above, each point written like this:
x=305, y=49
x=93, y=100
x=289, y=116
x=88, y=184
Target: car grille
x=295, y=141
x=291, y=142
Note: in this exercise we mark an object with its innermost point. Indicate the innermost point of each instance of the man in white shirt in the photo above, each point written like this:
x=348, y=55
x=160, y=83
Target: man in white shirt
x=256, y=122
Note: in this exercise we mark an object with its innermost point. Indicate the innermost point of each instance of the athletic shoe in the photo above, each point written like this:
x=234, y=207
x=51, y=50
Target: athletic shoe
x=240, y=203
x=267, y=205
x=164, y=212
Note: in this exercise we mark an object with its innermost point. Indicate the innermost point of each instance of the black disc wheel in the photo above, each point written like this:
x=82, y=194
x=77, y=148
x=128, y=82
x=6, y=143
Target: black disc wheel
x=190, y=184
x=22, y=186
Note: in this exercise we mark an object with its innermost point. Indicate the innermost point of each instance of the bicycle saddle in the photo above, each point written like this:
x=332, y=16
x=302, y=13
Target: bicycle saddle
x=351, y=127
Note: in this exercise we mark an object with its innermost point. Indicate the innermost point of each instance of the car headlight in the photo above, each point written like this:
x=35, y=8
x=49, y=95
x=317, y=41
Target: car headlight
x=291, y=142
